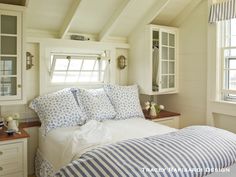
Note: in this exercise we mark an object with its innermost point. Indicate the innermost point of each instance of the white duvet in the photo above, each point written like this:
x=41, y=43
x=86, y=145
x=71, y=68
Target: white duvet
x=63, y=145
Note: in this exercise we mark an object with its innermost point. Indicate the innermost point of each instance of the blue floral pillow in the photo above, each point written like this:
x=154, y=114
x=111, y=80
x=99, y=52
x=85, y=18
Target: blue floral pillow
x=96, y=104
x=125, y=100
x=57, y=109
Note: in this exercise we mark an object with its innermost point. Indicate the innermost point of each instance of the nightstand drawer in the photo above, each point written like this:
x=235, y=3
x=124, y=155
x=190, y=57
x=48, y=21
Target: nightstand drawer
x=170, y=121
x=11, y=157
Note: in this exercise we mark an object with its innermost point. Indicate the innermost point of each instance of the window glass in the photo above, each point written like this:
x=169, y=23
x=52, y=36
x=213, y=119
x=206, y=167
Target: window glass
x=228, y=44
x=79, y=69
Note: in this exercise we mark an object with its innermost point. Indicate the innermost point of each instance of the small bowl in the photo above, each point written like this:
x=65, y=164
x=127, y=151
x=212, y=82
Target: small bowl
x=10, y=132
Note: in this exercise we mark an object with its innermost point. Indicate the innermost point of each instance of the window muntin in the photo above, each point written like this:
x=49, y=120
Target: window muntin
x=228, y=59
x=80, y=68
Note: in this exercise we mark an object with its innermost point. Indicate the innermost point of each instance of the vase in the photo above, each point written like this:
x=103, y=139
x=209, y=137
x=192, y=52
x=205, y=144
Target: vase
x=153, y=112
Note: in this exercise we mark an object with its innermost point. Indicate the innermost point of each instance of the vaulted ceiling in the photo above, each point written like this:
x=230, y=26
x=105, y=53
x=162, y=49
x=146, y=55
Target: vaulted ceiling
x=100, y=18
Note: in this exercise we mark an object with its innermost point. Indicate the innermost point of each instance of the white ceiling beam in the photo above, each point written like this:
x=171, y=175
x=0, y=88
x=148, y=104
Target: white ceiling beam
x=26, y=3
x=69, y=18
x=113, y=21
x=179, y=19
x=153, y=12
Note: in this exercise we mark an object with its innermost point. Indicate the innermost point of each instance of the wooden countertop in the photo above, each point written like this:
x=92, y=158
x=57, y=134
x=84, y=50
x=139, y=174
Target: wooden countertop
x=4, y=136
x=27, y=123
x=161, y=115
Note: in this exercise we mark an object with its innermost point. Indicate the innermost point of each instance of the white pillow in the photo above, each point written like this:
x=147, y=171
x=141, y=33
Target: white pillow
x=96, y=104
x=58, y=109
x=125, y=100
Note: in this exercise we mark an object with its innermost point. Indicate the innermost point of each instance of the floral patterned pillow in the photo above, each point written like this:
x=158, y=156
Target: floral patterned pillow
x=125, y=100
x=58, y=109
x=96, y=104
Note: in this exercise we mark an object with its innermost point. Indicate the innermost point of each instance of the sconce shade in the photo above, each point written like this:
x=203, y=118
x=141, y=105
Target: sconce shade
x=29, y=60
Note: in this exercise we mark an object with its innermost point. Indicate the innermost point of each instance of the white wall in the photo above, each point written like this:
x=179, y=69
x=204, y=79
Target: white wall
x=191, y=99
x=32, y=82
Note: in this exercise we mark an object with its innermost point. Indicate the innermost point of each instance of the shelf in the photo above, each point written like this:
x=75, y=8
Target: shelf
x=8, y=35
x=161, y=115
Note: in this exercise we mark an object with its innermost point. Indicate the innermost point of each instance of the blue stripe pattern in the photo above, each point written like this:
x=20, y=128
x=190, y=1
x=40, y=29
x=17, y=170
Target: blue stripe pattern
x=225, y=10
x=189, y=152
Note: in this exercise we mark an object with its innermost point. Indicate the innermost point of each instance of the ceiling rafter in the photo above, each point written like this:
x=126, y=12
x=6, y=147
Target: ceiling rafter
x=153, y=12
x=185, y=13
x=113, y=21
x=69, y=18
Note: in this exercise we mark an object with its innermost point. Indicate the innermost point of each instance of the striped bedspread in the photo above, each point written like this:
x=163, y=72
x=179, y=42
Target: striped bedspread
x=194, y=151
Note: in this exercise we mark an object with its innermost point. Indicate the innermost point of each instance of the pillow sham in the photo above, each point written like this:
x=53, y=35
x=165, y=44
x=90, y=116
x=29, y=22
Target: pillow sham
x=58, y=109
x=96, y=104
x=125, y=100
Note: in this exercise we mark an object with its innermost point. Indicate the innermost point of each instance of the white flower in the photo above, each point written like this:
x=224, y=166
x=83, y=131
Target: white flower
x=162, y=107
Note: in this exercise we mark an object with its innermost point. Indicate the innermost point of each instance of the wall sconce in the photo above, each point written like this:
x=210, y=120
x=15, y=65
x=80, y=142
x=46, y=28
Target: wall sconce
x=29, y=60
x=122, y=62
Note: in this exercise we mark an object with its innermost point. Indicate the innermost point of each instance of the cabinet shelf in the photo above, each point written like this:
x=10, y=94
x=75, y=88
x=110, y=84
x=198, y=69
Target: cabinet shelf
x=11, y=56
x=154, y=70
x=8, y=35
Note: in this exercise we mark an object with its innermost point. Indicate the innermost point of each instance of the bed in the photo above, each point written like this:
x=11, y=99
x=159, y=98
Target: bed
x=105, y=134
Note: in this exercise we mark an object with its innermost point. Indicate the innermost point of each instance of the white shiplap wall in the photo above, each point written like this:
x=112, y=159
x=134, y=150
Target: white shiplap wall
x=191, y=99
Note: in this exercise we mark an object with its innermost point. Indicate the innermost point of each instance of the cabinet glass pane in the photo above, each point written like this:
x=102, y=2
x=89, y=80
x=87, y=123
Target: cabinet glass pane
x=164, y=38
x=164, y=67
x=171, y=40
x=171, y=53
x=8, y=24
x=171, y=81
x=155, y=34
x=164, y=53
x=8, y=66
x=8, y=45
x=8, y=86
x=164, y=82
x=171, y=67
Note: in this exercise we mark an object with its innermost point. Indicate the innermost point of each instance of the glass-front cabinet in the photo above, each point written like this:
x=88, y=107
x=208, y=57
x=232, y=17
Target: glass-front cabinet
x=153, y=61
x=164, y=65
x=10, y=56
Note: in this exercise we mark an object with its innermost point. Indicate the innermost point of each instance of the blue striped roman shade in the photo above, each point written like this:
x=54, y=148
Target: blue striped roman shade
x=222, y=10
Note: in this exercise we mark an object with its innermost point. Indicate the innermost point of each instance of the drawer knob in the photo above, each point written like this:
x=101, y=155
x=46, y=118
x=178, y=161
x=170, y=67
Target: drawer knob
x=1, y=152
x=1, y=168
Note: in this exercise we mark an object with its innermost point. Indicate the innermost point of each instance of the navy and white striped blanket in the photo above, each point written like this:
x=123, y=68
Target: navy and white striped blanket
x=194, y=151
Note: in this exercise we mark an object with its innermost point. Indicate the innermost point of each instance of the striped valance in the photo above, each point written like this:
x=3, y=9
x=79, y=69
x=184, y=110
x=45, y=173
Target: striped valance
x=222, y=10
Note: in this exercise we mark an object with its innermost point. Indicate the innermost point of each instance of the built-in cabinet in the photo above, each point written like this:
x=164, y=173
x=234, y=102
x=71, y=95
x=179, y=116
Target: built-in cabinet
x=154, y=60
x=11, y=56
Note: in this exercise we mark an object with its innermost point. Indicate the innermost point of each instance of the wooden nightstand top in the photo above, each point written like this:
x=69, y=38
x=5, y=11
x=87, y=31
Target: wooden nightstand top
x=161, y=115
x=5, y=137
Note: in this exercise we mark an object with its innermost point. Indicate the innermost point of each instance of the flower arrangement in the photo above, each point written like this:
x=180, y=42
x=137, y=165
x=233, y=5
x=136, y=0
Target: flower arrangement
x=154, y=108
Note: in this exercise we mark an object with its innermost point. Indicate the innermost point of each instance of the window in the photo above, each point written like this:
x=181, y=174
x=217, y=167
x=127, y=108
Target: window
x=228, y=59
x=80, y=68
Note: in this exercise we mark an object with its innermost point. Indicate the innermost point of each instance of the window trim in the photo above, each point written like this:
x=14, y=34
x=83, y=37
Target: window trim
x=223, y=46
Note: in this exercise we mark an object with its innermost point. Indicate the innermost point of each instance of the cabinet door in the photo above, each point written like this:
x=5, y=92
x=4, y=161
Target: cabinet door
x=10, y=55
x=167, y=55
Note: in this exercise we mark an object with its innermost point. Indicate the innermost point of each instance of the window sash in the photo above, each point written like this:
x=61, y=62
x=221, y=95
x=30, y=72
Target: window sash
x=95, y=74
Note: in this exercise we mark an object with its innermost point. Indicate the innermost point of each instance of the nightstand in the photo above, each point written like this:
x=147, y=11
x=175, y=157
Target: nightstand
x=13, y=154
x=167, y=118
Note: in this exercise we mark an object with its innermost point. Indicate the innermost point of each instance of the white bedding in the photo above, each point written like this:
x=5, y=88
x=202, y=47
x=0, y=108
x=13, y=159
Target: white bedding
x=62, y=145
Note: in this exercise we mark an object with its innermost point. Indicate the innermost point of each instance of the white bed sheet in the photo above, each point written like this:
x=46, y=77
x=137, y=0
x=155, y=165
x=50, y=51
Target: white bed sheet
x=54, y=146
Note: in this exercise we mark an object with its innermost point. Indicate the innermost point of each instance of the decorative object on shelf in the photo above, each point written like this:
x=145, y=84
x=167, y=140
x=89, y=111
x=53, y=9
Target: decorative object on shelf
x=122, y=62
x=1, y=123
x=12, y=122
x=29, y=60
x=79, y=38
x=153, y=108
